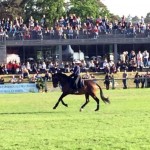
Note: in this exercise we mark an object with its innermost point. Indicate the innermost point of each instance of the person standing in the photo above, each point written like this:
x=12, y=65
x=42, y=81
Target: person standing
x=145, y=58
x=143, y=76
x=137, y=80
x=107, y=81
x=124, y=79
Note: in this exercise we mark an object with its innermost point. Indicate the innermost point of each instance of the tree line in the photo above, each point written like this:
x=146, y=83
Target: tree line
x=54, y=9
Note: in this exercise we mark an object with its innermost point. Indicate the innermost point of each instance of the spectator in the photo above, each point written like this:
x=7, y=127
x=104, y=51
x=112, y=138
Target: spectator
x=47, y=76
x=13, y=79
x=124, y=79
x=1, y=80
x=43, y=21
x=137, y=80
x=107, y=80
x=44, y=67
x=106, y=66
x=86, y=75
x=139, y=60
x=142, y=80
x=20, y=79
x=33, y=79
x=25, y=73
x=145, y=58
x=31, y=23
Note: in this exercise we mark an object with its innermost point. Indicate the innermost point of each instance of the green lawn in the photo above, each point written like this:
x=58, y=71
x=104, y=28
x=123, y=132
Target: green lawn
x=28, y=122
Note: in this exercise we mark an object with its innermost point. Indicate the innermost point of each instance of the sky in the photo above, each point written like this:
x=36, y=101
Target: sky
x=128, y=7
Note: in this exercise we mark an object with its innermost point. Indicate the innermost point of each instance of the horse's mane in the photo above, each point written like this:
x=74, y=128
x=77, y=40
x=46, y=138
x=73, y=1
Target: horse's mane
x=63, y=75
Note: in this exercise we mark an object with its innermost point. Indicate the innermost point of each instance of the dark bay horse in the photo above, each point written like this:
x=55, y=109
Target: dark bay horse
x=89, y=89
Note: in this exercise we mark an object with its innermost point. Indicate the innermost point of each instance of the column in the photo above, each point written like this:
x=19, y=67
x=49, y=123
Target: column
x=3, y=54
x=115, y=53
x=60, y=53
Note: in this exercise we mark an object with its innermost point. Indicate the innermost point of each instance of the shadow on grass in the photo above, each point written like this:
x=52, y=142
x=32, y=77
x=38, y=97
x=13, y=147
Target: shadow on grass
x=32, y=113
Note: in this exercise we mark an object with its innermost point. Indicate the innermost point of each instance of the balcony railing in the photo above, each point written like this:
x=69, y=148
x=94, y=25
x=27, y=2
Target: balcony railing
x=42, y=35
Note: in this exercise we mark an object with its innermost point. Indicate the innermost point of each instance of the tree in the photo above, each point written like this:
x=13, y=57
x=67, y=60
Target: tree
x=53, y=9
x=135, y=19
x=90, y=8
x=147, y=19
x=12, y=8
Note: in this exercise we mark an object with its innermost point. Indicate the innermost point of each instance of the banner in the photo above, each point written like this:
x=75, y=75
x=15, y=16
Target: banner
x=18, y=88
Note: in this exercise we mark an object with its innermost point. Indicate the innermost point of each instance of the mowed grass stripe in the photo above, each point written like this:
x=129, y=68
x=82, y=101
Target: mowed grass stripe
x=27, y=121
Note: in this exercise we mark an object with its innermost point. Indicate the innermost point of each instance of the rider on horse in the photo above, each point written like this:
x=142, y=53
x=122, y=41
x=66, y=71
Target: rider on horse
x=76, y=76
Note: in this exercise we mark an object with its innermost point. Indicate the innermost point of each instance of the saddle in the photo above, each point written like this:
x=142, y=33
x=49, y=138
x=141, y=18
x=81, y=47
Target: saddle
x=78, y=85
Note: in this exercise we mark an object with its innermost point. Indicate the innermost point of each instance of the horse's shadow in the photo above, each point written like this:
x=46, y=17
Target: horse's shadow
x=28, y=113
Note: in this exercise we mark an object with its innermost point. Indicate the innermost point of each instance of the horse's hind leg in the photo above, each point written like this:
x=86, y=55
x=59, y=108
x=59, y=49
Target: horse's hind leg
x=60, y=99
x=64, y=103
x=86, y=102
x=97, y=101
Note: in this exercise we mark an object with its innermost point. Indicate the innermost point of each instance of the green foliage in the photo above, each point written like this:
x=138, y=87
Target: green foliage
x=53, y=9
x=147, y=19
x=12, y=8
x=90, y=8
x=27, y=121
x=135, y=19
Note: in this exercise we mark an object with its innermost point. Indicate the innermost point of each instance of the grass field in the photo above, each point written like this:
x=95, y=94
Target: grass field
x=28, y=122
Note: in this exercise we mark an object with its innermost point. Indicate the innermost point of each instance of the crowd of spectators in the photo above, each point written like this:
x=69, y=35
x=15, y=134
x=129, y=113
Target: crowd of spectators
x=70, y=27
x=133, y=61
x=126, y=61
x=39, y=72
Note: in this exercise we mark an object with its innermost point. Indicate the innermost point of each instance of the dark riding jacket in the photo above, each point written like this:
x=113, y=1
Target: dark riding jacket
x=76, y=76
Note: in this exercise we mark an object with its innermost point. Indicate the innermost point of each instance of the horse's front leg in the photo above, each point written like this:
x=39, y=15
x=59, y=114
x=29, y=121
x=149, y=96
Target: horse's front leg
x=86, y=102
x=60, y=99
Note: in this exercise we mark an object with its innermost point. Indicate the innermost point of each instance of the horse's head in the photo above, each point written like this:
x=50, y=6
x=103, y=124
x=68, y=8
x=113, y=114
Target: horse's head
x=59, y=78
x=55, y=80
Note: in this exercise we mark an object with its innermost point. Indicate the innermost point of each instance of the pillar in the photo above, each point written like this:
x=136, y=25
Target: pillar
x=115, y=53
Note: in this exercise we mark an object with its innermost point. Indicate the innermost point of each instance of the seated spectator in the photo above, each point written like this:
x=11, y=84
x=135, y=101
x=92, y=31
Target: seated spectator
x=25, y=73
x=106, y=66
x=67, y=67
x=20, y=79
x=37, y=75
x=132, y=65
x=47, y=76
x=86, y=75
x=33, y=79
x=92, y=75
x=1, y=69
x=13, y=79
x=1, y=80
x=91, y=65
x=27, y=35
x=149, y=62
x=44, y=67
x=112, y=67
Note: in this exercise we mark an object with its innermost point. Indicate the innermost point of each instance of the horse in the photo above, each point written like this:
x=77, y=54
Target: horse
x=89, y=88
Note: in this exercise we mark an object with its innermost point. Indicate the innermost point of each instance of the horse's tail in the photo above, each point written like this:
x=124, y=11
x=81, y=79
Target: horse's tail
x=104, y=99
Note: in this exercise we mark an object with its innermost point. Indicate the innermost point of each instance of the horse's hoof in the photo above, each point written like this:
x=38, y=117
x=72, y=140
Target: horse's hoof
x=54, y=107
x=66, y=105
x=96, y=109
x=81, y=109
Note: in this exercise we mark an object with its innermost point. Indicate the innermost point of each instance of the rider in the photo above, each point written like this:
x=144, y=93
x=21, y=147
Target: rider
x=76, y=76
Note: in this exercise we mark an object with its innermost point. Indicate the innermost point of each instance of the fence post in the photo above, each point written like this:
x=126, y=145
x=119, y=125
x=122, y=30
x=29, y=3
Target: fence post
x=113, y=83
x=146, y=81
